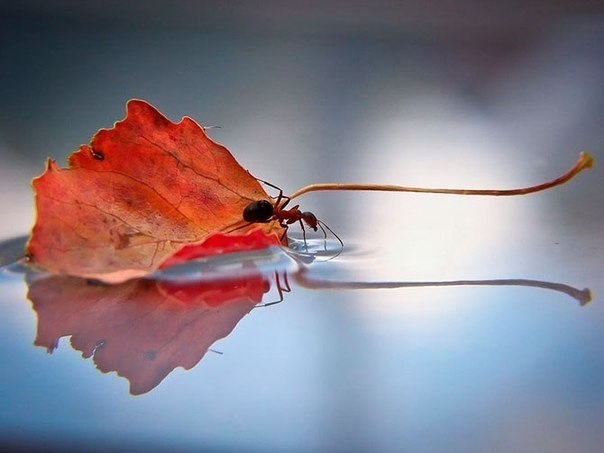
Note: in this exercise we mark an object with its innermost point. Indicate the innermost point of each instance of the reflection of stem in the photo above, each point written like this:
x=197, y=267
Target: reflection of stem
x=582, y=296
x=584, y=161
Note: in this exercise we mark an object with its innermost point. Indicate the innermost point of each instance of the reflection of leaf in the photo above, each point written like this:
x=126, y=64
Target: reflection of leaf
x=142, y=329
x=138, y=193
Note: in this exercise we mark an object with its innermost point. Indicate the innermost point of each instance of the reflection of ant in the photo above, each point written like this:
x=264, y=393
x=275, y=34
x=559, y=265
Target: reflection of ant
x=282, y=287
x=263, y=211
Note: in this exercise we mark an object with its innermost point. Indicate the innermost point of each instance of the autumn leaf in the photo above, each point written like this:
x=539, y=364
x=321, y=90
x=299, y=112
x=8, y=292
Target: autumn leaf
x=137, y=194
x=219, y=244
x=141, y=329
x=147, y=188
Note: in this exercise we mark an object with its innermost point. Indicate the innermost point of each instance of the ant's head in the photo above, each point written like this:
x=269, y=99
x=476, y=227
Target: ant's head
x=310, y=219
x=258, y=211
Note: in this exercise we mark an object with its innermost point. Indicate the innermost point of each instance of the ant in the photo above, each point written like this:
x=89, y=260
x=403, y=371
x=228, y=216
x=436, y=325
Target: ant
x=263, y=211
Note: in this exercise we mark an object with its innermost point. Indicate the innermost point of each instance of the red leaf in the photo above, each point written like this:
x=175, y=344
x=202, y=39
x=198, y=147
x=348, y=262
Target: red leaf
x=137, y=194
x=141, y=329
x=218, y=244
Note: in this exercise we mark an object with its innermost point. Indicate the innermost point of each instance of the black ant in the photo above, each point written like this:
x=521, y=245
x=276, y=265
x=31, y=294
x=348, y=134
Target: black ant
x=263, y=211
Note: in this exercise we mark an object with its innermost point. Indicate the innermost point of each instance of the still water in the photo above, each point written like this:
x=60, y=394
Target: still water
x=344, y=361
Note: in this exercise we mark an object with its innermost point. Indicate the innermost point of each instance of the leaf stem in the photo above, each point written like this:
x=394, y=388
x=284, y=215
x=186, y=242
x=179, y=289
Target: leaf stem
x=584, y=161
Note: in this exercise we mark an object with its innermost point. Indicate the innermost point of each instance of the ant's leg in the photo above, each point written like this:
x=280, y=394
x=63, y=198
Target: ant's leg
x=286, y=288
x=270, y=185
x=303, y=234
x=238, y=228
x=282, y=197
x=279, y=197
x=285, y=227
x=283, y=235
x=280, y=290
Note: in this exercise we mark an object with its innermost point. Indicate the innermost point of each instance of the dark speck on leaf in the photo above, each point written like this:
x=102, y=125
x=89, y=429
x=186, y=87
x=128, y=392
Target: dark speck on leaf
x=98, y=155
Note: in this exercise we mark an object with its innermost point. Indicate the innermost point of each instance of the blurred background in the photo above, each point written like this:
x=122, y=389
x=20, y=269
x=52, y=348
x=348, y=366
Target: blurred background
x=474, y=94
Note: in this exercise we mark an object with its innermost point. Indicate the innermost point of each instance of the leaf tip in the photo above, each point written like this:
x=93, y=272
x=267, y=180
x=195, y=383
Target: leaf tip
x=139, y=107
x=51, y=164
x=136, y=104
